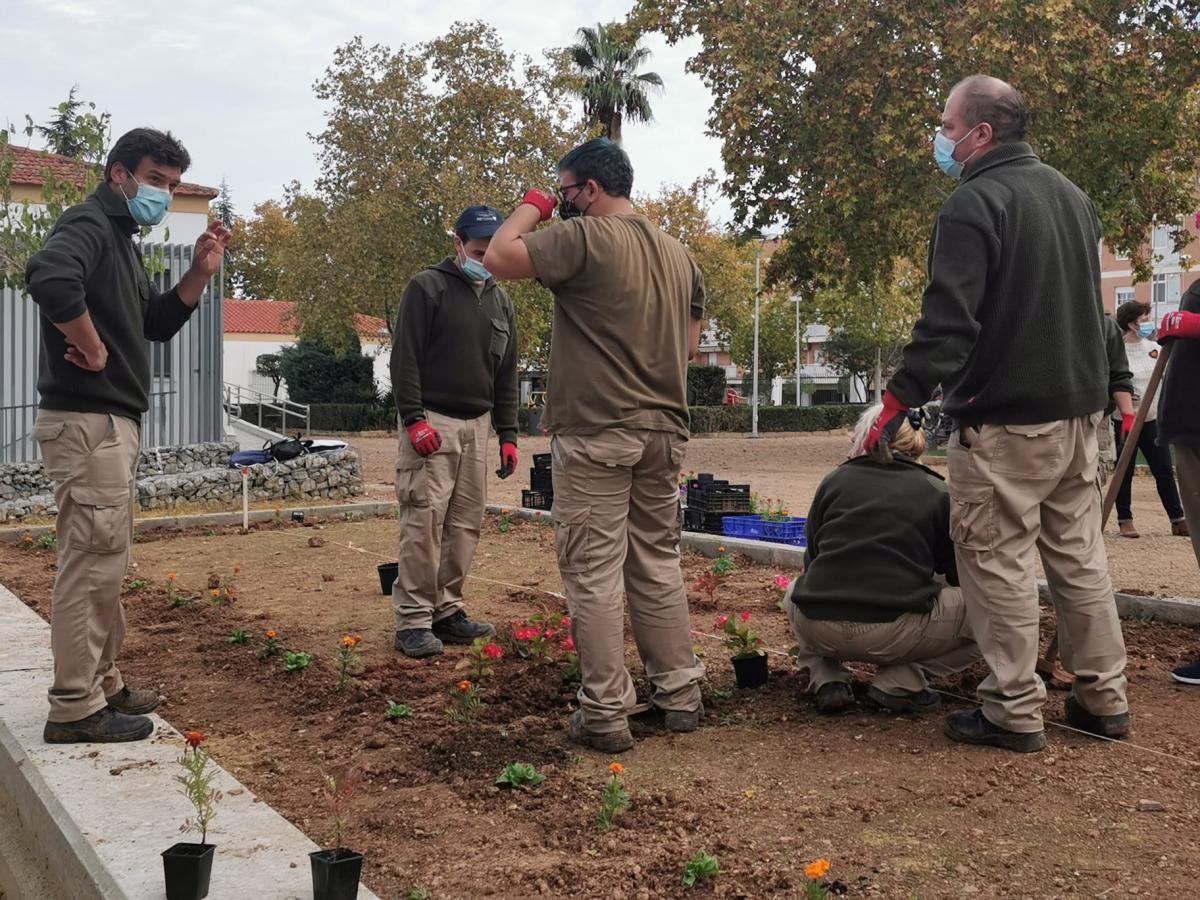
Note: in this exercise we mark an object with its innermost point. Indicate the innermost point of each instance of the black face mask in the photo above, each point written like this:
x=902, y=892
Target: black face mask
x=567, y=208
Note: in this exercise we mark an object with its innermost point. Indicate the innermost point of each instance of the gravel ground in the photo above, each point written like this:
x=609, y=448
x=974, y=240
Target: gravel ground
x=790, y=467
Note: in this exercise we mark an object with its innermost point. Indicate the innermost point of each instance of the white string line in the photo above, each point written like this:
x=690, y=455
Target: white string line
x=784, y=653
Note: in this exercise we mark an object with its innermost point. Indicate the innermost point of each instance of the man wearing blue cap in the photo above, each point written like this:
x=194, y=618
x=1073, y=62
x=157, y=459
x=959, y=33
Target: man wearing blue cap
x=454, y=376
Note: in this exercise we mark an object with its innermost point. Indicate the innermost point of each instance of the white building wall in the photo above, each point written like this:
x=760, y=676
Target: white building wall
x=241, y=356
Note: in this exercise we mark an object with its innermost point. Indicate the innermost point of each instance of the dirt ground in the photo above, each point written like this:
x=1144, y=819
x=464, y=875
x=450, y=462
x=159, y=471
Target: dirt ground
x=790, y=468
x=766, y=785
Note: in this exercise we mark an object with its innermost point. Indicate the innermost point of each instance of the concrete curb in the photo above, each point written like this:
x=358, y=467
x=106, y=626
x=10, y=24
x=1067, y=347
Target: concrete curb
x=1172, y=610
x=102, y=814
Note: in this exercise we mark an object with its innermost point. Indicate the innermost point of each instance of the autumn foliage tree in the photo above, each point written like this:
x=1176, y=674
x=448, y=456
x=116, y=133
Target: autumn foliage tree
x=826, y=110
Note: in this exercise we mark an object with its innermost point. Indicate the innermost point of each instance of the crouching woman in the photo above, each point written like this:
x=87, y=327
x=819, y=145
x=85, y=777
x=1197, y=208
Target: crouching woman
x=880, y=584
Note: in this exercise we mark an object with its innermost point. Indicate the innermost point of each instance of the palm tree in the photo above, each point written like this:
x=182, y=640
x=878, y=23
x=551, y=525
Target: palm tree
x=612, y=87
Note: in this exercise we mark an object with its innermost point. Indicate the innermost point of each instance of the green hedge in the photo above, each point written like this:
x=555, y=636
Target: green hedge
x=828, y=417
x=353, y=417
x=705, y=385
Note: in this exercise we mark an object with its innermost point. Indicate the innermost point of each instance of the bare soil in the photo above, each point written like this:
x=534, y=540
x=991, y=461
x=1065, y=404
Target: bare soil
x=766, y=784
x=789, y=467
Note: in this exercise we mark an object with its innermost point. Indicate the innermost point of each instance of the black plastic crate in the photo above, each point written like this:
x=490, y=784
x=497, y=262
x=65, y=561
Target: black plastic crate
x=537, y=500
x=541, y=480
x=708, y=523
x=721, y=498
x=541, y=461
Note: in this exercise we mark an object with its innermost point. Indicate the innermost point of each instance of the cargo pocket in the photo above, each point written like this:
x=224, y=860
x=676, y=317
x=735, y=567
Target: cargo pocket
x=100, y=521
x=500, y=338
x=571, y=538
x=412, y=485
x=971, y=521
x=1032, y=451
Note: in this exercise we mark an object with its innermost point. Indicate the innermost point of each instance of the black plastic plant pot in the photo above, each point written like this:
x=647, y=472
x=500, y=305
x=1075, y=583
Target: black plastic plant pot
x=187, y=868
x=751, y=671
x=335, y=874
x=387, y=576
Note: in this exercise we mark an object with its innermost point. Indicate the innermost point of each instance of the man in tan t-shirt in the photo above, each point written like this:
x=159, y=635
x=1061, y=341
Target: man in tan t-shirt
x=627, y=311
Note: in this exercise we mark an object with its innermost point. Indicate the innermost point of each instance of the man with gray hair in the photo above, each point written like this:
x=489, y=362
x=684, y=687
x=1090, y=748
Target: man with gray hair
x=1012, y=326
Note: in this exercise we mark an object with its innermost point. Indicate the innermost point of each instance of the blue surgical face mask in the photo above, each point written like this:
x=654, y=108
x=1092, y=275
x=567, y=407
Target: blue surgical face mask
x=149, y=205
x=1146, y=329
x=943, y=153
x=474, y=269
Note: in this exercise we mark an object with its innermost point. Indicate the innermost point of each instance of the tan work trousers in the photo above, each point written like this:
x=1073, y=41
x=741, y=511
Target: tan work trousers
x=441, y=500
x=1014, y=488
x=616, y=520
x=92, y=459
x=1187, y=473
x=938, y=642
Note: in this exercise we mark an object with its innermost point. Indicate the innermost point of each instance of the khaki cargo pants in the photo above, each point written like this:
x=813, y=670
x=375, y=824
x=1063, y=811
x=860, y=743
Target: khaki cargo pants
x=616, y=520
x=441, y=504
x=92, y=459
x=1187, y=472
x=1014, y=489
x=938, y=642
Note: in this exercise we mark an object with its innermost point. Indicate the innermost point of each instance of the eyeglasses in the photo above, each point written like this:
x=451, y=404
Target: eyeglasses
x=562, y=191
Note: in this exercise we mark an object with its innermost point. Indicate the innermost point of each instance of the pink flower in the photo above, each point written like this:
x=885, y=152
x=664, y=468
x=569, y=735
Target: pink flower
x=745, y=617
x=524, y=634
x=722, y=621
x=493, y=651
x=782, y=582
x=566, y=622
x=569, y=644
x=550, y=632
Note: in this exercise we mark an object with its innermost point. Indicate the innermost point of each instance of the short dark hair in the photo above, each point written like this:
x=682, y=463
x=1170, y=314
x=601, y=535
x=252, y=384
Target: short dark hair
x=604, y=162
x=134, y=146
x=999, y=104
x=1130, y=311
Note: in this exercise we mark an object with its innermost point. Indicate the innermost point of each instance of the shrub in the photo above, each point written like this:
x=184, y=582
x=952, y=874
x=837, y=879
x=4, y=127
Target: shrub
x=711, y=419
x=705, y=385
x=316, y=374
x=352, y=417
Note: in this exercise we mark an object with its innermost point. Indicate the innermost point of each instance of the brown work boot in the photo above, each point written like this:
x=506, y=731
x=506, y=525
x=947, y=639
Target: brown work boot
x=607, y=742
x=133, y=703
x=1127, y=529
x=1180, y=529
x=103, y=727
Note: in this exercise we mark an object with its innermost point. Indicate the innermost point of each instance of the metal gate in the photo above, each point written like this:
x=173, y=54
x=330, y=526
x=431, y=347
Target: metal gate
x=185, y=391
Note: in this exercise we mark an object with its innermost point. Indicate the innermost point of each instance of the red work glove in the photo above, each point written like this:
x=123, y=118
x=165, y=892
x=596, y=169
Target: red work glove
x=1126, y=424
x=885, y=428
x=1180, y=325
x=425, y=438
x=543, y=202
x=508, y=459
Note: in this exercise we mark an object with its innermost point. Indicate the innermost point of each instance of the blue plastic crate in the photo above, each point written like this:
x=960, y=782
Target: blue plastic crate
x=782, y=530
x=750, y=527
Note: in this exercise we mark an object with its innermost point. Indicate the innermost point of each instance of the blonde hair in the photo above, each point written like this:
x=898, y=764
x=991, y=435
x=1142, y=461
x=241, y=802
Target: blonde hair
x=909, y=441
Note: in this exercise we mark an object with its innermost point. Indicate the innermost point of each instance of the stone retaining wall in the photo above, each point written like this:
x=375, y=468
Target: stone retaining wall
x=198, y=475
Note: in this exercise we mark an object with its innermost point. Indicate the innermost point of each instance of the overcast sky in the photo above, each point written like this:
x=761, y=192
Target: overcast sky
x=234, y=80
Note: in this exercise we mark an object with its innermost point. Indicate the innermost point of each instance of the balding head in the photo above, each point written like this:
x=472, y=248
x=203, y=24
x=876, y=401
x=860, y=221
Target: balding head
x=984, y=99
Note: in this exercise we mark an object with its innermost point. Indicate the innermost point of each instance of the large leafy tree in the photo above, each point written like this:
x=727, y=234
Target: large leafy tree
x=607, y=59
x=254, y=264
x=826, y=110
x=414, y=135
x=776, y=341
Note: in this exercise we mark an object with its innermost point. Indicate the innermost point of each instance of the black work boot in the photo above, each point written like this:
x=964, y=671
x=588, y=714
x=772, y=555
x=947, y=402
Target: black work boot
x=834, y=697
x=1114, y=727
x=102, y=727
x=418, y=643
x=970, y=726
x=133, y=703
x=683, y=720
x=458, y=629
x=922, y=701
x=606, y=742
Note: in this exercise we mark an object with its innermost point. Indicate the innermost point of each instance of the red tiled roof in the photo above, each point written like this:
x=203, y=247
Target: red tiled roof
x=30, y=167
x=279, y=317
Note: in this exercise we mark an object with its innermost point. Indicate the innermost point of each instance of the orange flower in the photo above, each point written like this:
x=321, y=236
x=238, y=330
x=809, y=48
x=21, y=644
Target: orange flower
x=720, y=549
x=215, y=592
x=504, y=512
x=818, y=869
x=171, y=576
x=464, y=686
x=272, y=634
x=616, y=768
x=194, y=738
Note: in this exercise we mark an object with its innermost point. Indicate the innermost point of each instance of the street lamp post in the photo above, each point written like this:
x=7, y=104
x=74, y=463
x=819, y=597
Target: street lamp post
x=796, y=300
x=757, y=299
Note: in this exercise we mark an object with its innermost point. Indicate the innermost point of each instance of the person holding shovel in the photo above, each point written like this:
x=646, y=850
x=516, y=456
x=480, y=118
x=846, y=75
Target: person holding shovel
x=1179, y=420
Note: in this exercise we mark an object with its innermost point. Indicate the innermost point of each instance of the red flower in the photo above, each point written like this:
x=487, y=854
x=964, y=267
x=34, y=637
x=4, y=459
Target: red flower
x=566, y=622
x=194, y=738
x=745, y=617
x=493, y=651
x=569, y=644
x=722, y=621
x=550, y=634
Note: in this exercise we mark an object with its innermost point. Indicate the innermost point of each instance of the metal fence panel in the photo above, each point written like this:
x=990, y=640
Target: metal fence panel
x=186, y=383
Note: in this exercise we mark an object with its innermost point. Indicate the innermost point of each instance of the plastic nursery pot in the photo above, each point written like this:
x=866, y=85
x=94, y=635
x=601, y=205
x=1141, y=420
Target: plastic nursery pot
x=750, y=671
x=387, y=576
x=187, y=868
x=335, y=874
